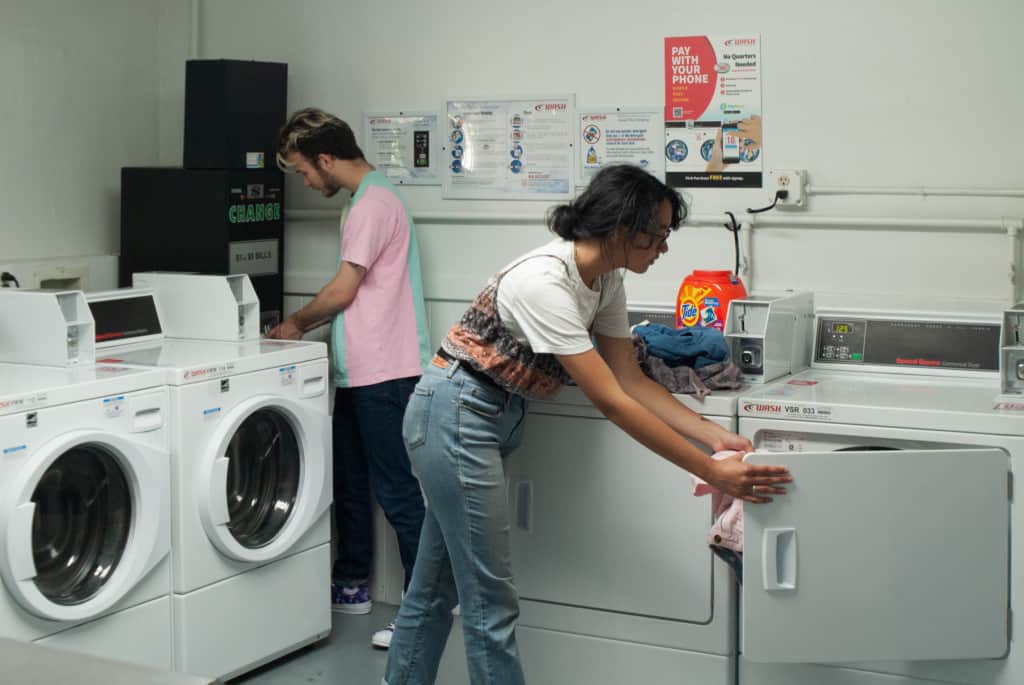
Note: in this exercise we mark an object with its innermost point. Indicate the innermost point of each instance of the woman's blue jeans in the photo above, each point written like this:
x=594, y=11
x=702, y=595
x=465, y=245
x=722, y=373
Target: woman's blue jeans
x=458, y=430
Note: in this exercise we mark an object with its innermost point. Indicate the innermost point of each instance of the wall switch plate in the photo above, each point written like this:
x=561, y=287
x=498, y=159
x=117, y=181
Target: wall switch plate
x=793, y=182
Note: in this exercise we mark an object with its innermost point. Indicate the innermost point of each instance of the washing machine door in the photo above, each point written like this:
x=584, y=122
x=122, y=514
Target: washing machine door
x=266, y=480
x=82, y=524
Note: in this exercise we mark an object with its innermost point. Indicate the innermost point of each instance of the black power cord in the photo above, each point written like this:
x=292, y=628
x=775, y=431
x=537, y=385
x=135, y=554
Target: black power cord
x=779, y=195
x=6, y=278
x=734, y=227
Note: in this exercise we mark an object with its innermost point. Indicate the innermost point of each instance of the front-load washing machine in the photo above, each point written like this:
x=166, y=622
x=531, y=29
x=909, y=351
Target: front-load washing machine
x=251, y=491
x=85, y=510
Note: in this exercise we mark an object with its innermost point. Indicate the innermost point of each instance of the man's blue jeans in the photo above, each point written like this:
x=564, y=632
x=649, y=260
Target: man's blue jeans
x=459, y=430
x=369, y=452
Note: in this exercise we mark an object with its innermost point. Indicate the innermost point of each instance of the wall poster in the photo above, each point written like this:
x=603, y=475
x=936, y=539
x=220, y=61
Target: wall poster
x=620, y=135
x=404, y=146
x=509, y=149
x=713, y=112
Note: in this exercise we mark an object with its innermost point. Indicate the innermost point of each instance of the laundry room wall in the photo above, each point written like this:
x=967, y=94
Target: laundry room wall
x=79, y=102
x=920, y=93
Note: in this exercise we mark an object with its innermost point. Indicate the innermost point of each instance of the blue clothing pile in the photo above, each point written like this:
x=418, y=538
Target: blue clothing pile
x=693, y=347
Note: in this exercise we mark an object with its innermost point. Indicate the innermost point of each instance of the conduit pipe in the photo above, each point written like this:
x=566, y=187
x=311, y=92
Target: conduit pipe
x=1011, y=226
x=480, y=219
x=988, y=225
x=912, y=190
x=193, y=39
x=1013, y=230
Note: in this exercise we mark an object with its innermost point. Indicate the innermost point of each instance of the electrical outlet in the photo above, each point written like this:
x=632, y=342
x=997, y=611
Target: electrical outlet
x=792, y=182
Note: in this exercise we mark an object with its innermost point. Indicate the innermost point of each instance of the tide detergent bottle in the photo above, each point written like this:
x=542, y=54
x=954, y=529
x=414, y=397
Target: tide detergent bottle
x=704, y=298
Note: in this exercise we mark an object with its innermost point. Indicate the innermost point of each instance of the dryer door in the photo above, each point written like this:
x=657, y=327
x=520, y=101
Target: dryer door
x=600, y=523
x=82, y=523
x=879, y=556
x=267, y=480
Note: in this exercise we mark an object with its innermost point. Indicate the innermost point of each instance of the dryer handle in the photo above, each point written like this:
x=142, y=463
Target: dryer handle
x=19, y=542
x=778, y=559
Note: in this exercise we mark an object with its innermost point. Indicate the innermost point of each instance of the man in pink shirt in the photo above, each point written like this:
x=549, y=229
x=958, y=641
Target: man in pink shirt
x=379, y=344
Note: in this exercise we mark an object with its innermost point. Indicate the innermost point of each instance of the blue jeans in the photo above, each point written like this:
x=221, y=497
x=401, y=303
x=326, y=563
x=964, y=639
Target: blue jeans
x=369, y=452
x=459, y=430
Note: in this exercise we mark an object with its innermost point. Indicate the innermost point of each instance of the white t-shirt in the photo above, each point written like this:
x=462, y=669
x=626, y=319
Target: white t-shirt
x=548, y=306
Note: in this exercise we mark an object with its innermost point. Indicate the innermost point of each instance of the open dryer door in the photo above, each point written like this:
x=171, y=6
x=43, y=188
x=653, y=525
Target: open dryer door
x=879, y=556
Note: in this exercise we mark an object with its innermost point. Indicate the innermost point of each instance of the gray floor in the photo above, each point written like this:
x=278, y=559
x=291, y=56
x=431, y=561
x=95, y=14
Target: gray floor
x=344, y=658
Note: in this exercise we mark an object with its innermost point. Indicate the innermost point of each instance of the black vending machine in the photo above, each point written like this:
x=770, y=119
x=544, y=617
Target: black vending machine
x=222, y=213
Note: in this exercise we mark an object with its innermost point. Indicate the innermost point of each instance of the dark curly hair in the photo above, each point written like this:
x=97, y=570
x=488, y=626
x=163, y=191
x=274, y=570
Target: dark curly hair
x=621, y=199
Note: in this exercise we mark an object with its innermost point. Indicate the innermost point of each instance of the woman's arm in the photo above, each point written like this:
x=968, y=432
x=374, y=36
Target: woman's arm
x=733, y=476
x=619, y=355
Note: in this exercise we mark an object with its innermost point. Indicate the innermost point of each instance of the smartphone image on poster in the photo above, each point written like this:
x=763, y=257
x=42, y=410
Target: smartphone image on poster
x=421, y=149
x=730, y=143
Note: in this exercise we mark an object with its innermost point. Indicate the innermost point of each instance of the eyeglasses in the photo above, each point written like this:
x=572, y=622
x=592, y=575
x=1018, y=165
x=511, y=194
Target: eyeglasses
x=655, y=240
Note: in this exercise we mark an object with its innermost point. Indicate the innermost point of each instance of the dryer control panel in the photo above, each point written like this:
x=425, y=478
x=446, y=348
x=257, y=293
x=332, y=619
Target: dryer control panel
x=914, y=344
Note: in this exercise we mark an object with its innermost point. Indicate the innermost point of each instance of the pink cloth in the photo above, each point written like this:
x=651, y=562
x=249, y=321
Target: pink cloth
x=727, y=530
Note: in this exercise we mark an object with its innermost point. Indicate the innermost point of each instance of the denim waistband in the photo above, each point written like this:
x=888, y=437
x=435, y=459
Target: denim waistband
x=463, y=366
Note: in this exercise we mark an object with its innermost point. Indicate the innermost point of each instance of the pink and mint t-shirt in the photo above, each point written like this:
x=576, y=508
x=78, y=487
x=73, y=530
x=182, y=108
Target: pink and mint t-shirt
x=383, y=334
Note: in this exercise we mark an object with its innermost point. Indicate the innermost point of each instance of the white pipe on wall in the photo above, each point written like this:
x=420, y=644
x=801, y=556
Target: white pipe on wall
x=1012, y=227
x=193, y=46
x=1013, y=230
x=478, y=219
x=921, y=191
x=988, y=225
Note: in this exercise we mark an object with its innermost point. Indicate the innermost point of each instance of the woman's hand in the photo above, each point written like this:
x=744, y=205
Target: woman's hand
x=725, y=440
x=749, y=482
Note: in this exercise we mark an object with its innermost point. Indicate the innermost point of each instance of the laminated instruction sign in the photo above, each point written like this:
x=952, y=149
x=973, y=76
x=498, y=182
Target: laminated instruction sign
x=509, y=149
x=404, y=146
x=713, y=111
x=619, y=136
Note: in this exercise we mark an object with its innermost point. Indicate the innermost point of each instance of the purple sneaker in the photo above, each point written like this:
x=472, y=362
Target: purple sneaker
x=351, y=600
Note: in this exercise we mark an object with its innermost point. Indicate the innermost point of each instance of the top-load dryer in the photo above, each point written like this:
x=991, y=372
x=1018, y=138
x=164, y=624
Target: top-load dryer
x=895, y=556
x=251, y=485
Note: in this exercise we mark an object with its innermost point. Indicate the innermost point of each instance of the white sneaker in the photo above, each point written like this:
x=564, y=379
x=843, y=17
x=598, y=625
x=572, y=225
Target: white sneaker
x=382, y=638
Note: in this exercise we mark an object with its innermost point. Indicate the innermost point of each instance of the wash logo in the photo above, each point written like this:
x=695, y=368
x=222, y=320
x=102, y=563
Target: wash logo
x=761, y=408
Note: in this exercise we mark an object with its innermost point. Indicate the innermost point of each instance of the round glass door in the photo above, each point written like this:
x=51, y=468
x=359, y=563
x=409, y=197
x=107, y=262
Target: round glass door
x=264, y=467
x=81, y=523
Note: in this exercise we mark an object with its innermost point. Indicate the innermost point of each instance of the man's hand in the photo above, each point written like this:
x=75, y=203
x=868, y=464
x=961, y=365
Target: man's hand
x=286, y=330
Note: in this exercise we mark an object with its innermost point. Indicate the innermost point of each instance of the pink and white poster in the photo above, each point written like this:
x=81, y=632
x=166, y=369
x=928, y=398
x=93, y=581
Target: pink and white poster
x=713, y=124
